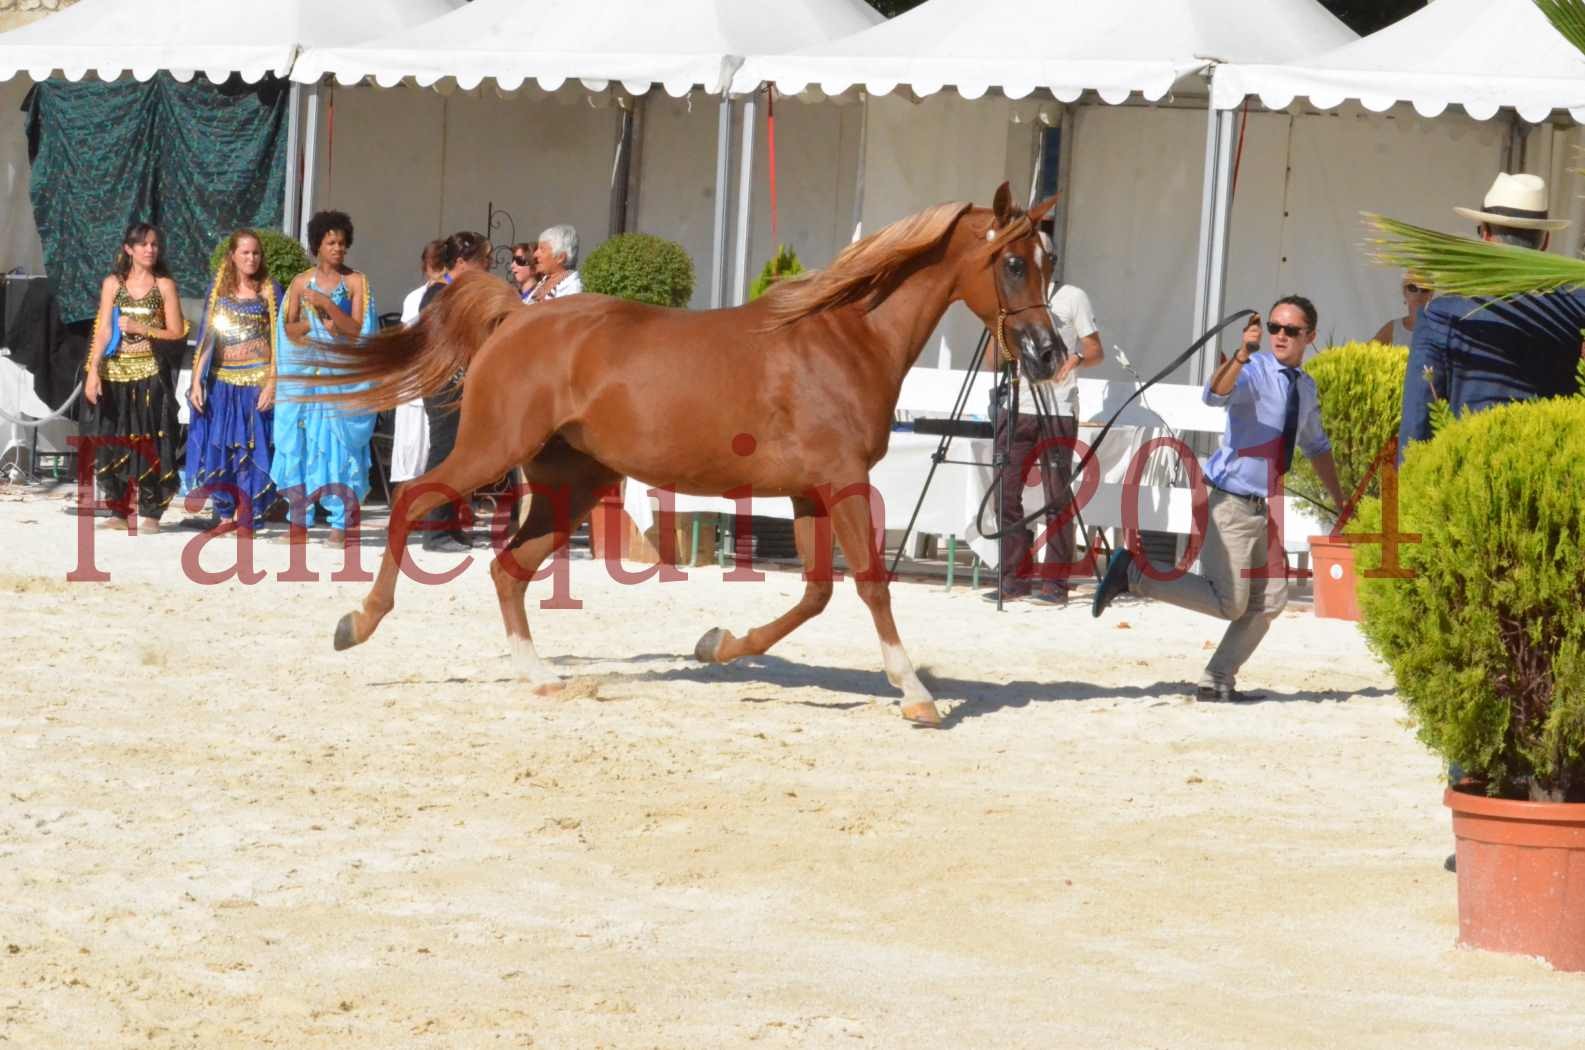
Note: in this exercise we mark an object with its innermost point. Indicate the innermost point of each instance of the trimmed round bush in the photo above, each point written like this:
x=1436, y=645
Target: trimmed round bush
x=640, y=267
x=1486, y=639
x=284, y=257
x=782, y=265
x=1361, y=391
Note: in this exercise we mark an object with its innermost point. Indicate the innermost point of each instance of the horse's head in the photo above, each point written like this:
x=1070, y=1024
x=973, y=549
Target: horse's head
x=1005, y=285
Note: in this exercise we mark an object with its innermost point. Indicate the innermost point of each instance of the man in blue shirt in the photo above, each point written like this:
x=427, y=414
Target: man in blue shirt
x=1477, y=353
x=1272, y=409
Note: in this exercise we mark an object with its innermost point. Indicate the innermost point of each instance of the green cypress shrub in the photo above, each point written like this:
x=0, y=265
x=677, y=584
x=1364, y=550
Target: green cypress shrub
x=781, y=265
x=640, y=267
x=284, y=256
x=1361, y=391
x=1487, y=640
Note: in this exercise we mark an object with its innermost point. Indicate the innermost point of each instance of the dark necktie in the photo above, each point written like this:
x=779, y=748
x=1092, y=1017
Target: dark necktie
x=1290, y=419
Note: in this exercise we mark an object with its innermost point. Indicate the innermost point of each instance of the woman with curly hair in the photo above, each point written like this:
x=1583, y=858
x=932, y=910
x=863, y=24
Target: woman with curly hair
x=132, y=410
x=233, y=388
x=321, y=450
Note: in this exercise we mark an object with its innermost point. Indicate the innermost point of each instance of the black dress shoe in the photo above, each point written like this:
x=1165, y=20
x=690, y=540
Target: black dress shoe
x=448, y=543
x=1226, y=694
x=1005, y=595
x=1115, y=582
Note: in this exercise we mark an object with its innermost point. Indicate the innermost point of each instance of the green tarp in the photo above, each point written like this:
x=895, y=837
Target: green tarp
x=197, y=159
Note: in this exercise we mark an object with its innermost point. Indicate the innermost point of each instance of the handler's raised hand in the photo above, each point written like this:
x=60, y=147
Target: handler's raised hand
x=1252, y=335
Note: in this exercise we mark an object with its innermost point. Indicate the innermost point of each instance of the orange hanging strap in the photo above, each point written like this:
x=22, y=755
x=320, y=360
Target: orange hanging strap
x=770, y=145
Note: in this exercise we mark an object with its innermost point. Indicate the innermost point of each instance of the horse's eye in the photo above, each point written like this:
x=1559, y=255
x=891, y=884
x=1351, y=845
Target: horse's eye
x=1015, y=266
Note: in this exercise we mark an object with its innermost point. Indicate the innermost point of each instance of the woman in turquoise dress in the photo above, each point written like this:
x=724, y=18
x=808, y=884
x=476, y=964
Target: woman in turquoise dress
x=321, y=455
x=233, y=388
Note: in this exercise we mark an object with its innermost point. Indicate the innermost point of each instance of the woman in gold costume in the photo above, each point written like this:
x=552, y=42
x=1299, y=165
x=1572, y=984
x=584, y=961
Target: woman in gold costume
x=233, y=389
x=131, y=420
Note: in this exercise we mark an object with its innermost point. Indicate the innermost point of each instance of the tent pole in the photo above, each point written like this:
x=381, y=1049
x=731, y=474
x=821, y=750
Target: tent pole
x=1067, y=120
x=1210, y=287
x=294, y=102
x=858, y=178
x=310, y=158
x=723, y=187
x=745, y=204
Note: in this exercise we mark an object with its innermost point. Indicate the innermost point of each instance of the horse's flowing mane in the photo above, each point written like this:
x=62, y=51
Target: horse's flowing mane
x=864, y=267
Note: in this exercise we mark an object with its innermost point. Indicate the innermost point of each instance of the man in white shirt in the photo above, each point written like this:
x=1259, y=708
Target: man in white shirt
x=1075, y=320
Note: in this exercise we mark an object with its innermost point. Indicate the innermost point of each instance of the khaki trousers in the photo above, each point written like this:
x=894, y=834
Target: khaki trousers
x=1235, y=550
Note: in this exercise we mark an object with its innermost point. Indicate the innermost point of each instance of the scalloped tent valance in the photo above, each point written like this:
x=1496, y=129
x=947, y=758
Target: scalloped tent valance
x=678, y=44
x=217, y=38
x=1113, y=47
x=1483, y=55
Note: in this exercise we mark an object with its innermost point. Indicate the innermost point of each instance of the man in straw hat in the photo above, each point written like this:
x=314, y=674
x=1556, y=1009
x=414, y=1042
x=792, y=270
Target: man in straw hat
x=1479, y=353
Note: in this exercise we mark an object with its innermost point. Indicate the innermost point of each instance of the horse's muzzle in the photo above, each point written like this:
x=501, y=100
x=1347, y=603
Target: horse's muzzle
x=1042, y=351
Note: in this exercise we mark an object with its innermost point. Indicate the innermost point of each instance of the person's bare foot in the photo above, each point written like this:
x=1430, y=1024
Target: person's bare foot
x=149, y=525
x=337, y=538
x=118, y=524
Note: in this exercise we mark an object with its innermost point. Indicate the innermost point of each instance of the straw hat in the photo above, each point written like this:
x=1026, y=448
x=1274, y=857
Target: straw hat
x=1516, y=201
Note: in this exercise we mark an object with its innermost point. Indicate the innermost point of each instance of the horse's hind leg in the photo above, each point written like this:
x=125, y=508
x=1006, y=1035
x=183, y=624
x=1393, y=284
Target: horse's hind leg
x=814, y=549
x=853, y=523
x=552, y=516
x=471, y=465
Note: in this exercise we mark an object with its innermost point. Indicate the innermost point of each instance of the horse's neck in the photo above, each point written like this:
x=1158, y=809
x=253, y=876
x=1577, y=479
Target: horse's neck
x=905, y=319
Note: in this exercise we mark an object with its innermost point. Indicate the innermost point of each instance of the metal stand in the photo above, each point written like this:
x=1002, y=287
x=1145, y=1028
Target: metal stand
x=999, y=457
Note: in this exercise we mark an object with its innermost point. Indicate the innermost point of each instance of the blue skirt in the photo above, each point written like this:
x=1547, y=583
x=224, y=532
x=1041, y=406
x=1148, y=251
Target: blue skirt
x=228, y=450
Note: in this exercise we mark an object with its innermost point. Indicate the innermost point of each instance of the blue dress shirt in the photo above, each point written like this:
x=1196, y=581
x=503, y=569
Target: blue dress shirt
x=1256, y=407
x=1478, y=354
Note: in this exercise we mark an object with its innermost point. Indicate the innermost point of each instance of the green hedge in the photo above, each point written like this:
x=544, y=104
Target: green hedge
x=1361, y=391
x=782, y=265
x=640, y=267
x=284, y=257
x=1487, y=641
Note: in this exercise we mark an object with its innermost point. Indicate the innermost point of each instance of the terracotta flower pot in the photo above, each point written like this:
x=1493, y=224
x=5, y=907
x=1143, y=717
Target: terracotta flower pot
x=1333, y=565
x=1521, y=876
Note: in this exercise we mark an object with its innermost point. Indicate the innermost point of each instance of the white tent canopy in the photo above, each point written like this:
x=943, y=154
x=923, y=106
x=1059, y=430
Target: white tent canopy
x=1114, y=47
x=679, y=44
x=184, y=37
x=1483, y=55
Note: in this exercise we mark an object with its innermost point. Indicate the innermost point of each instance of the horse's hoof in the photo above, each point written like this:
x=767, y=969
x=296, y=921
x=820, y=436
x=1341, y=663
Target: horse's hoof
x=705, y=652
x=346, y=636
x=923, y=714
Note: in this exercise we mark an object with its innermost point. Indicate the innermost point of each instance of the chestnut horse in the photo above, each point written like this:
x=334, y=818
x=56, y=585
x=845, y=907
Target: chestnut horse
x=585, y=390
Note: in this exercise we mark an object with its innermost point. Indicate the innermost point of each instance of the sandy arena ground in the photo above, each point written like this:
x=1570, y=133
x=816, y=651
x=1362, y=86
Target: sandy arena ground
x=215, y=831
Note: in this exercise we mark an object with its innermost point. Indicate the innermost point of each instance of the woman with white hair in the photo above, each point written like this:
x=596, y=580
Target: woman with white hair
x=556, y=258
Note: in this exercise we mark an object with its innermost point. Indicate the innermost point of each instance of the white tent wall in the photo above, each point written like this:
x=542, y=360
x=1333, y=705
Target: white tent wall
x=816, y=165
x=410, y=165
x=1303, y=181
x=19, y=237
x=943, y=148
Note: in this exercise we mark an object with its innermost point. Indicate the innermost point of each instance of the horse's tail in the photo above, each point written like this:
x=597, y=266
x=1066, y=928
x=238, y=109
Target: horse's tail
x=386, y=369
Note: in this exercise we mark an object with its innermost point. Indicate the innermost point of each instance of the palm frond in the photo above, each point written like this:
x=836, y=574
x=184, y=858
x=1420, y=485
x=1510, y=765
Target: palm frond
x=1464, y=266
x=1568, y=18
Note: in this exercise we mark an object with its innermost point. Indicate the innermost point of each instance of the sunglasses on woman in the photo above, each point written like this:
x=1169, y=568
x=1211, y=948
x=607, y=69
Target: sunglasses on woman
x=1294, y=331
x=518, y=260
x=1413, y=289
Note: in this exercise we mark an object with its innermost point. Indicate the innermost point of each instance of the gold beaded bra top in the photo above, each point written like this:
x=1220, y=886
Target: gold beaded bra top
x=242, y=340
x=135, y=359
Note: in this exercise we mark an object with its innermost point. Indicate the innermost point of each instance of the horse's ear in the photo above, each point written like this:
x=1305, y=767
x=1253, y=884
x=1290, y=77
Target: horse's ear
x=1003, y=205
x=1039, y=211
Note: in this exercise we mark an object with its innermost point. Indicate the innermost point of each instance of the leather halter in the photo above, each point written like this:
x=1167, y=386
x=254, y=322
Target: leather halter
x=1019, y=228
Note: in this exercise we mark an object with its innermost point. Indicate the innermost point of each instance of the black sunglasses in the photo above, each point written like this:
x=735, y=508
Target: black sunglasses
x=518, y=260
x=1294, y=330
x=1414, y=289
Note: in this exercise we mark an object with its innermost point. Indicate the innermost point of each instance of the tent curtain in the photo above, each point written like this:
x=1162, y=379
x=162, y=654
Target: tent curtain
x=197, y=159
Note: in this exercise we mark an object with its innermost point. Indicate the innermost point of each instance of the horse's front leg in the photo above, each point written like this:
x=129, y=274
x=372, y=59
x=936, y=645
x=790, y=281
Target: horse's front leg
x=814, y=549
x=853, y=521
